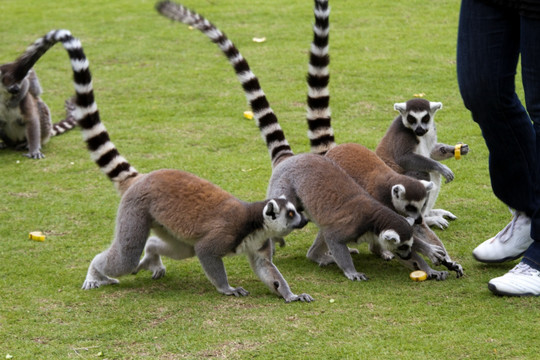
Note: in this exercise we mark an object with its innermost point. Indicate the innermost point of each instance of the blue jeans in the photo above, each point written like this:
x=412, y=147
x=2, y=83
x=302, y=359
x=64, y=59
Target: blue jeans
x=490, y=42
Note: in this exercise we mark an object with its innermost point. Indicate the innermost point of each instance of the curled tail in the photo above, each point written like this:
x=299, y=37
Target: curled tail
x=266, y=120
x=85, y=111
x=66, y=124
x=320, y=134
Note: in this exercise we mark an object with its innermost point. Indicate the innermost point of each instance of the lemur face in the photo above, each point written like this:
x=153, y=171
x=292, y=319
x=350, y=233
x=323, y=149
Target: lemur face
x=8, y=87
x=417, y=114
x=411, y=203
x=418, y=121
x=281, y=217
x=391, y=241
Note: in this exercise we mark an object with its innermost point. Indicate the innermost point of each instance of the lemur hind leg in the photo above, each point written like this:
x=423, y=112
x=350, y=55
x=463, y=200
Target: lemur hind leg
x=155, y=248
x=122, y=257
x=319, y=253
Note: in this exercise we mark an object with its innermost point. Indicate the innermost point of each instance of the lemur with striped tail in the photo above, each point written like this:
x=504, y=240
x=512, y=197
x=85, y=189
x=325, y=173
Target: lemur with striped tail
x=342, y=210
x=25, y=119
x=189, y=215
x=401, y=193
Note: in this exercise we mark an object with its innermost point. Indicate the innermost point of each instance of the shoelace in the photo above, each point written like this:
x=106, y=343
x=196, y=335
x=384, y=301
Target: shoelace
x=502, y=235
x=524, y=269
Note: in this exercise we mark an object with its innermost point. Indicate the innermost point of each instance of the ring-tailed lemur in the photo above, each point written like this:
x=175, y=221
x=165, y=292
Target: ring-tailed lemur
x=191, y=216
x=410, y=147
x=401, y=193
x=25, y=119
x=341, y=209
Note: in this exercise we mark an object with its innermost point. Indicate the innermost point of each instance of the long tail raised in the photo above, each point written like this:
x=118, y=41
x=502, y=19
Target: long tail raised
x=320, y=134
x=266, y=120
x=85, y=111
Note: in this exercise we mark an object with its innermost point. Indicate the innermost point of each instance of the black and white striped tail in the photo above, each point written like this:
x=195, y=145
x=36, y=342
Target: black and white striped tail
x=85, y=111
x=320, y=133
x=265, y=118
x=66, y=124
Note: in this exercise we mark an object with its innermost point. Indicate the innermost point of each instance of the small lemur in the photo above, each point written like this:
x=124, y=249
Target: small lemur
x=401, y=193
x=189, y=215
x=25, y=119
x=410, y=147
x=342, y=210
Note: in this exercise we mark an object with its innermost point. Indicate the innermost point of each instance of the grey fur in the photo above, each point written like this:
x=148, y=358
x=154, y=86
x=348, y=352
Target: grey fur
x=342, y=210
x=342, y=213
x=410, y=147
x=25, y=119
x=192, y=215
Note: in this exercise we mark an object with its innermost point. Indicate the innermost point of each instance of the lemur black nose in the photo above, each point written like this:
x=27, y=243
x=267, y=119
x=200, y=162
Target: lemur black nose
x=420, y=131
x=14, y=89
x=418, y=220
x=303, y=222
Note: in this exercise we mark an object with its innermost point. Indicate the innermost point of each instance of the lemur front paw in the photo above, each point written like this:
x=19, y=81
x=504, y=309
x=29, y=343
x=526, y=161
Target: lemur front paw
x=464, y=149
x=437, y=275
x=447, y=173
x=301, y=297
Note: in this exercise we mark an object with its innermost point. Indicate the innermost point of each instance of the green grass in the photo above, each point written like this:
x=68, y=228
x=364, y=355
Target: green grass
x=170, y=100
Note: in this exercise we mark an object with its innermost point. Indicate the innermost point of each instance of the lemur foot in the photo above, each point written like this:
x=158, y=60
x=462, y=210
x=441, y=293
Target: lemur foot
x=356, y=276
x=94, y=283
x=154, y=264
x=321, y=259
x=239, y=291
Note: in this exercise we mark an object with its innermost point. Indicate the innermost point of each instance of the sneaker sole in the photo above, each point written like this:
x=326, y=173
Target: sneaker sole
x=495, y=291
x=498, y=261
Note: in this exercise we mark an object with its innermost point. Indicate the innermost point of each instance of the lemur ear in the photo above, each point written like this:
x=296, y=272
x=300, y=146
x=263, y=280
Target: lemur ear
x=271, y=209
x=434, y=106
x=401, y=107
x=397, y=191
x=428, y=184
x=390, y=235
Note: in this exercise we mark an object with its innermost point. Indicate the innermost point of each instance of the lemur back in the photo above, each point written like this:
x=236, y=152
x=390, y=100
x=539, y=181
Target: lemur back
x=190, y=215
x=307, y=179
x=403, y=194
x=25, y=119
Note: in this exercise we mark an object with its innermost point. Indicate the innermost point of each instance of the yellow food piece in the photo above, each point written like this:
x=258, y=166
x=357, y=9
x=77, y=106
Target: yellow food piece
x=37, y=236
x=457, y=151
x=418, y=275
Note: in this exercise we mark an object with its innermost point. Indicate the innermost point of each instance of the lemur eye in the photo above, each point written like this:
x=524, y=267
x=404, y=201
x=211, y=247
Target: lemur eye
x=411, y=119
x=426, y=119
x=403, y=247
x=290, y=214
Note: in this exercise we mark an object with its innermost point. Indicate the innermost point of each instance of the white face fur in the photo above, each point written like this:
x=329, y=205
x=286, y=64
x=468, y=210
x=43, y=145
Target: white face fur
x=419, y=121
x=281, y=221
x=390, y=241
x=409, y=208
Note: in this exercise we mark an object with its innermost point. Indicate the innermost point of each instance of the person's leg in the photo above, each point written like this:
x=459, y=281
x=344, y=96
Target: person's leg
x=487, y=57
x=509, y=128
x=524, y=279
x=530, y=73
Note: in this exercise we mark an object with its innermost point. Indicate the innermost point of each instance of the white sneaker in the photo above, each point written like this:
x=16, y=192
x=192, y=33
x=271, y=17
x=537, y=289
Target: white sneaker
x=522, y=280
x=509, y=244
